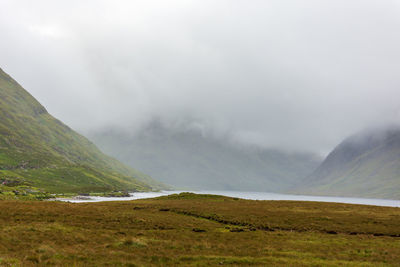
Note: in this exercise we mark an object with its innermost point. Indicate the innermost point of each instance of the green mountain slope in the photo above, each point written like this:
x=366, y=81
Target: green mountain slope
x=365, y=165
x=37, y=149
x=187, y=159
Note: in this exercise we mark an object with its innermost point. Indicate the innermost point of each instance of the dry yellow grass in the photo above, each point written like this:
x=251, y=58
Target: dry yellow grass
x=198, y=230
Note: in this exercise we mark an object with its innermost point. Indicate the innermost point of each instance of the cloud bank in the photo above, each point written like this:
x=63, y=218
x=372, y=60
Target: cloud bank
x=297, y=75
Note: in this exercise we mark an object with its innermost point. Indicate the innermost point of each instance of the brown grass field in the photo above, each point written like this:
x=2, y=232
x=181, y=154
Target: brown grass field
x=198, y=230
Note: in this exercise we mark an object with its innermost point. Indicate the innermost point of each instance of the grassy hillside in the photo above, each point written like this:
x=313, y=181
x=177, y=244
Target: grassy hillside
x=188, y=159
x=366, y=164
x=39, y=150
x=198, y=230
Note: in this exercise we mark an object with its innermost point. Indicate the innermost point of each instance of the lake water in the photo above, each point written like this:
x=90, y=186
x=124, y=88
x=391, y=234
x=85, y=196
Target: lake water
x=249, y=195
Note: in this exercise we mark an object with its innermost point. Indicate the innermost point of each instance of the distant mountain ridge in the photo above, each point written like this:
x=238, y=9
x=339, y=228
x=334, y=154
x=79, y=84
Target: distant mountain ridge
x=38, y=149
x=366, y=164
x=188, y=159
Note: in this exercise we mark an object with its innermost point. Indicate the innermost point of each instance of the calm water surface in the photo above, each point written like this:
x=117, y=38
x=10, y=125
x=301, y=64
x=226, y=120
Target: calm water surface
x=250, y=195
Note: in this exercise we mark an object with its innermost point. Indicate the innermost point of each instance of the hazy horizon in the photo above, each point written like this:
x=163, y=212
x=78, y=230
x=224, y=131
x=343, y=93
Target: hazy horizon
x=283, y=74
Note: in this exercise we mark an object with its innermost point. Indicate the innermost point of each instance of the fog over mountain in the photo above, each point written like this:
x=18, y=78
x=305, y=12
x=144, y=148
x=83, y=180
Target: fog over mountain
x=186, y=158
x=366, y=164
x=293, y=75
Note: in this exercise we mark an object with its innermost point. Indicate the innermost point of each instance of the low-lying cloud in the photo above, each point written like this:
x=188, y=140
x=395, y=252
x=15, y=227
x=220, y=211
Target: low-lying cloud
x=299, y=75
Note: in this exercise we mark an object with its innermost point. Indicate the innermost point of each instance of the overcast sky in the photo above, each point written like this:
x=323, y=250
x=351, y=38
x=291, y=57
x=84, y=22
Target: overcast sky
x=300, y=75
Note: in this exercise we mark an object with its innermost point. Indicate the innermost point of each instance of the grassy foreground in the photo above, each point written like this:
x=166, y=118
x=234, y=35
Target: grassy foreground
x=198, y=230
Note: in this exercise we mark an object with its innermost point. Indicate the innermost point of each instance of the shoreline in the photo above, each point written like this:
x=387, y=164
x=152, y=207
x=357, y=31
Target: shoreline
x=241, y=195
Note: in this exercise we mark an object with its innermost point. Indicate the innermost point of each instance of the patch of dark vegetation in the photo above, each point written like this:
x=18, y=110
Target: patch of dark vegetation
x=164, y=209
x=236, y=230
x=378, y=234
x=121, y=233
x=197, y=230
x=215, y=218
